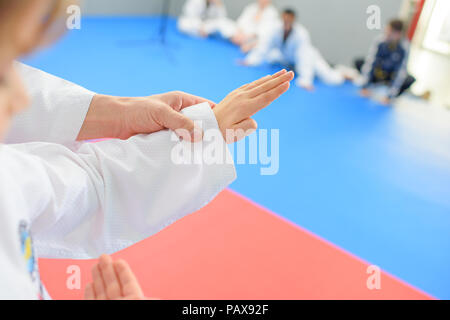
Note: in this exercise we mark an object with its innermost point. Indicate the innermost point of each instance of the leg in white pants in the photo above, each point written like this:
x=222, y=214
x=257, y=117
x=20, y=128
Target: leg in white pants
x=325, y=72
x=224, y=26
x=276, y=56
x=190, y=26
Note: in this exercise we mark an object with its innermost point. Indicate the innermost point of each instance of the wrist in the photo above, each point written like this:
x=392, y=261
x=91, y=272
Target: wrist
x=219, y=118
x=104, y=119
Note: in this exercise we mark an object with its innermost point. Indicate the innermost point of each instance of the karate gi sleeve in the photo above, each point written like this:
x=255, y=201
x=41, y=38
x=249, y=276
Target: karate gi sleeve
x=401, y=74
x=222, y=11
x=193, y=9
x=106, y=196
x=305, y=60
x=260, y=53
x=57, y=112
x=245, y=18
x=269, y=22
x=367, y=68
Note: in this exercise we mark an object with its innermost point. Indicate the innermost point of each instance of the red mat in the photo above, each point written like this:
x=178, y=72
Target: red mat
x=234, y=249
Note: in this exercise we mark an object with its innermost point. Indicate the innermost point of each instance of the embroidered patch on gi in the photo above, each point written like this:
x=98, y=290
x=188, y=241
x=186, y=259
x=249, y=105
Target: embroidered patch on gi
x=26, y=245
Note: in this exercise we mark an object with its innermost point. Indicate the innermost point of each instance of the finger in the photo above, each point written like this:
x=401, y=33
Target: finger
x=110, y=279
x=272, y=84
x=253, y=84
x=182, y=125
x=263, y=80
x=241, y=130
x=132, y=298
x=128, y=282
x=267, y=98
x=247, y=125
x=89, y=293
x=279, y=73
x=241, y=63
x=99, y=286
x=188, y=100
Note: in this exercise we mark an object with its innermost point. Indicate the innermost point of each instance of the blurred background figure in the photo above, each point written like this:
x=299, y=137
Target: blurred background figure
x=387, y=63
x=257, y=19
x=204, y=17
x=290, y=44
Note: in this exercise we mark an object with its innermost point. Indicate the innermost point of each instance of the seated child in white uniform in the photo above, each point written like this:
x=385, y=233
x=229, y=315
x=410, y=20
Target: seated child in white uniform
x=80, y=200
x=256, y=20
x=204, y=17
x=290, y=44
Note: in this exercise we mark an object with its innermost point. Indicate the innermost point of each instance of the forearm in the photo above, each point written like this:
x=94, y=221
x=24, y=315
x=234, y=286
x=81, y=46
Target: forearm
x=86, y=209
x=368, y=66
x=104, y=118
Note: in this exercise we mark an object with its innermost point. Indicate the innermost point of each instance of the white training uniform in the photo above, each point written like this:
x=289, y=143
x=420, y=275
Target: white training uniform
x=84, y=199
x=254, y=27
x=297, y=51
x=197, y=16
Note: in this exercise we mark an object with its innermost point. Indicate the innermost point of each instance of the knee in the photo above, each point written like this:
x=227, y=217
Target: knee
x=358, y=63
x=336, y=80
x=410, y=80
x=187, y=26
x=182, y=24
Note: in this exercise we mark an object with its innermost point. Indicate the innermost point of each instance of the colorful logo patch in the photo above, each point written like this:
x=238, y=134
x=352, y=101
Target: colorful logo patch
x=26, y=244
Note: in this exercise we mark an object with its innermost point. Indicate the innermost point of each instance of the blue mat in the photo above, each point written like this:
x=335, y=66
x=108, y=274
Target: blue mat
x=351, y=171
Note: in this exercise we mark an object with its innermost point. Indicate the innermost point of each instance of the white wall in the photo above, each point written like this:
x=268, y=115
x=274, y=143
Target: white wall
x=128, y=7
x=338, y=27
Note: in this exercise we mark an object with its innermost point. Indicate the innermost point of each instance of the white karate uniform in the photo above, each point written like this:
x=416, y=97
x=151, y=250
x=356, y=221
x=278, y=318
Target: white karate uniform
x=253, y=28
x=297, y=51
x=197, y=16
x=84, y=199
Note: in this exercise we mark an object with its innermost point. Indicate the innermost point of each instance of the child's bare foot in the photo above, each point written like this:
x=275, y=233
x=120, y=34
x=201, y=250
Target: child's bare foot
x=113, y=280
x=203, y=33
x=365, y=93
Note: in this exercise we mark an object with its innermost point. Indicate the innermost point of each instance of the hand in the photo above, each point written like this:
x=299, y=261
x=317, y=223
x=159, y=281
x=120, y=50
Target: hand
x=239, y=38
x=113, y=280
x=116, y=117
x=309, y=88
x=234, y=112
x=242, y=63
x=203, y=33
x=365, y=93
x=304, y=85
x=385, y=101
x=247, y=47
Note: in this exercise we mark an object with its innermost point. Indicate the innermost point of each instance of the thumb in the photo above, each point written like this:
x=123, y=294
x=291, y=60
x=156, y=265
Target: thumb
x=241, y=130
x=182, y=125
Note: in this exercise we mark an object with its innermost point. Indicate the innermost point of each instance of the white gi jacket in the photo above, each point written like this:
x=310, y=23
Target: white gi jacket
x=197, y=17
x=197, y=9
x=247, y=23
x=89, y=199
x=296, y=51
